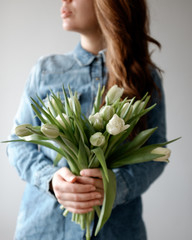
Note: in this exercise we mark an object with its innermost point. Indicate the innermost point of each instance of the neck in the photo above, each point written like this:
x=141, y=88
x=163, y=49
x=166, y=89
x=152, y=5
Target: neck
x=93, y=43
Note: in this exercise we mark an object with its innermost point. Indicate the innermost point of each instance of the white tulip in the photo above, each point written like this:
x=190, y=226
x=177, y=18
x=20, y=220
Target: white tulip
x=116, y=125
x=50, y=130
x=107, y=112
x=22, y=131
x=97, y=139
x=61, y=121
x=123, y=111
x=97, y=121
x=114, y=94
x=75, y=105
x=160, y=150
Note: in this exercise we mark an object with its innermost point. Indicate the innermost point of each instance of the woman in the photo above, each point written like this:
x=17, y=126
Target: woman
x=113, y=49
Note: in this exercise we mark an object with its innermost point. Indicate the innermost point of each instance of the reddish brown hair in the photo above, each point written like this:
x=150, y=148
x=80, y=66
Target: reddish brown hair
x=125, y=26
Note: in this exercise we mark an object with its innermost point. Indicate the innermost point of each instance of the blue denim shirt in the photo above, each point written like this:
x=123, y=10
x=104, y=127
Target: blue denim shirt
x=40, y=217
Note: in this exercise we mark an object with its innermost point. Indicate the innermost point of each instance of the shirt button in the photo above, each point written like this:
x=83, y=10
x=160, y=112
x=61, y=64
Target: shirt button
x=97, y=78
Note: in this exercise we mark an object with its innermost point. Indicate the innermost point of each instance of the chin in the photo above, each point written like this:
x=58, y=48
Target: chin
x=71, y=28
x=68, y=27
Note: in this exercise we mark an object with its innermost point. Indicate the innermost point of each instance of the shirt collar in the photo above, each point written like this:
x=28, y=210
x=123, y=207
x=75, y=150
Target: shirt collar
x=84, y=57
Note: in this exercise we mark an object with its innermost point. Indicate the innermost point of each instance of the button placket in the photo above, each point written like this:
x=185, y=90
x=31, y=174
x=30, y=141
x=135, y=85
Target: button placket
x=96, y=75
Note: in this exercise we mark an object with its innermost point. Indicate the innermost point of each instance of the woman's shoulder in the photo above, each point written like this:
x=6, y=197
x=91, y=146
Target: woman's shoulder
x=156, y=76
x=48, y=70
x=55, y=62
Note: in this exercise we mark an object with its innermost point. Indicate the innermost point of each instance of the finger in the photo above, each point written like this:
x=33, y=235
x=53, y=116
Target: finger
x=81, y=205
x=97, y=182
x=67, y=175
x=94, y=172
x=101, y=191
x=80, y=197
x=66, y=187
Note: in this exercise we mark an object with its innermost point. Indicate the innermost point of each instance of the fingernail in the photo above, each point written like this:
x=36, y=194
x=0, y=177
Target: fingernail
x=72, y=178
x=82, y=172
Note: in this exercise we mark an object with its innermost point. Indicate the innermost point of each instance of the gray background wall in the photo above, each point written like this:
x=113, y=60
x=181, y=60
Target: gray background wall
x=30, y=29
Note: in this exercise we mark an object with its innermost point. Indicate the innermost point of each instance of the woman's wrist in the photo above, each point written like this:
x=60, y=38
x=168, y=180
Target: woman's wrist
x=51, y=188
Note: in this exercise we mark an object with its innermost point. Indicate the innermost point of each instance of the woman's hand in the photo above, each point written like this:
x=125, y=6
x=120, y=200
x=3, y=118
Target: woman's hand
x=78, y=194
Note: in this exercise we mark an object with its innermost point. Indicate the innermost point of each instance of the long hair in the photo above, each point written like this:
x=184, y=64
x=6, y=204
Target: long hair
x=125, y=26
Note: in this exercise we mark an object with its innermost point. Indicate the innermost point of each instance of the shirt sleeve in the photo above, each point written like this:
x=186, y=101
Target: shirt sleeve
x=134, y=180
x=32, y=165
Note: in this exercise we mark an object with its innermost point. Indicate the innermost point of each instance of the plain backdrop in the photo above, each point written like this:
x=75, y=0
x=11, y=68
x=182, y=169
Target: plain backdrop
x=30, y=29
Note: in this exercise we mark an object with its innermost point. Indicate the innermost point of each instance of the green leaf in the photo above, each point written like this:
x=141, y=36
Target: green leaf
x=81, y=131
x=68, y=130
x=140, y=105
x=70, y=144
x=57, y=159
x=120, y=105
x=41, y=101
x=100, y=156
x=82, y=156
x=88, y=126
x=45, y=113
x=51, y=107
x=67, y=151
x=36, y=130
x=140, y=114
x=63, y=150
x=98, y=99
x=38, y=114
x=140, y=155
x=34, y=137
x=133, y=145
x=153, y=146
x=57, y=99
x=40, y=142
x=117, y=140
x=109, y=198
x=93, y=161
x=67, y=105
x=136, y=157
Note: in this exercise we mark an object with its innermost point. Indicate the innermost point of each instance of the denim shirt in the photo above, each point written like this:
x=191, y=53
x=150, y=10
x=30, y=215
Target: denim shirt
x=40, y=216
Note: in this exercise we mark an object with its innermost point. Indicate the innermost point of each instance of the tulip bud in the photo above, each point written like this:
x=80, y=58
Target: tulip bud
x=114, y=94
x=137, y=107
x=22, y=131
x=50, y=130
x=61, y=121
x=75, y=105
x=97, y=121
x=160, y=150
x=116, y=125
x=93, y=117
x=124, y=111
x=70, y=103
x=107, y=112
x=54, y=105
x=97, y=139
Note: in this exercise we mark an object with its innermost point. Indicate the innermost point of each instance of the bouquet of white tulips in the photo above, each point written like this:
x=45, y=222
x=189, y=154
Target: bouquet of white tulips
x=99, y=141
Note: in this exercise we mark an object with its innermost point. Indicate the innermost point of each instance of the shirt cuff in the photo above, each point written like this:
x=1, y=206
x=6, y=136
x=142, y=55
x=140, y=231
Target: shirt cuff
x=43, y=177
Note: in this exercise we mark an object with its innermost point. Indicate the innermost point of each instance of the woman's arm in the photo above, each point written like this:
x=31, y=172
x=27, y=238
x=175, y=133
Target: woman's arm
x=32, y=165
x=133, y=180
